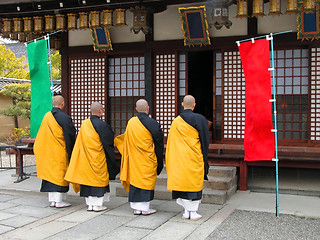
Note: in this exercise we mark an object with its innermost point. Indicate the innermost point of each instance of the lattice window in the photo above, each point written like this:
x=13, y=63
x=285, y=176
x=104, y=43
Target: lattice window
x=183, y=82
x=218, y=104
x=87, y=85
x=166, y=89
x=233, y=96
x=315, y=94
x=126, y=86
x=292, y=74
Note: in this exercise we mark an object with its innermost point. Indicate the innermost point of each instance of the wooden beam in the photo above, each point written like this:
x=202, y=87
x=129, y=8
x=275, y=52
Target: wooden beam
x=65, y=91
x=252, y=23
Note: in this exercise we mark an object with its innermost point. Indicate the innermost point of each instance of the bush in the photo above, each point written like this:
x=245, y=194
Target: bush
x=18, y=134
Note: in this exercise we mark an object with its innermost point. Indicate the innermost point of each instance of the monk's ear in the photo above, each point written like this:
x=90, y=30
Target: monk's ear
x=61, y=106
x=182, y=104
x=136, y=109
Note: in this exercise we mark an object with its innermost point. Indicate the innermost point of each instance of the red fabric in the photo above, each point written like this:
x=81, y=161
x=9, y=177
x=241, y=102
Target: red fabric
x=258, y=138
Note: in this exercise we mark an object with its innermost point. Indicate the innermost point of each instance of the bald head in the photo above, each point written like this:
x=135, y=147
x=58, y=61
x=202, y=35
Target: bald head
x=142, y=106
x=189, y=102
x=58, y=101
x=96, y=108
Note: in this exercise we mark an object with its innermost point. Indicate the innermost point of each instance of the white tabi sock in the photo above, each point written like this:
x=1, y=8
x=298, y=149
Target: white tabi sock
x=186, y=214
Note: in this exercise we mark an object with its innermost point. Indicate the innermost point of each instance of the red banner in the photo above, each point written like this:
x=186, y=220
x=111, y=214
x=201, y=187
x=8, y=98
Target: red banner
x=258, y=138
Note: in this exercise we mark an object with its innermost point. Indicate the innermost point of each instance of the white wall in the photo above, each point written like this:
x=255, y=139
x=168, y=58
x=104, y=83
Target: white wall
x=79, y=38
x=238, y=27
x=123, y=34
x=167, y=26
x=117, y=34
x=273, y=24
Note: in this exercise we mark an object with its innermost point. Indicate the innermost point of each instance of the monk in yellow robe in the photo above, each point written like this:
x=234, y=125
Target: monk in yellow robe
x=141, y=147
x=93, y=161
x=186, y=158
x=52, y=149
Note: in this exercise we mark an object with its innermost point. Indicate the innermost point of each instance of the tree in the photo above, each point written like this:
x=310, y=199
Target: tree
x=56, y=65
x=12, y=67
x=21, y=101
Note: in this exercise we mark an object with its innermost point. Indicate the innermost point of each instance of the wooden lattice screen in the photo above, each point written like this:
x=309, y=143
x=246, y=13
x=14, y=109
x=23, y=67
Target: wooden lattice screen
x=233, y=96
x=183, y=79
x=292, y=75
x=292, y=89
x=165, y=89
x=126, y=86
x=87, y=85
x=315, y=94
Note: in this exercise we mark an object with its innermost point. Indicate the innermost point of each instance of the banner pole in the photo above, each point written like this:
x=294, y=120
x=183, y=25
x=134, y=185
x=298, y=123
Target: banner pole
x=275, y=130
x=42, y=37
x=263, y=36
x=275, y=124
x=49, y=63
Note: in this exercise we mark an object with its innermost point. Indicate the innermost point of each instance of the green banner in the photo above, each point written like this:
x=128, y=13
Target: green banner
x=41, y=99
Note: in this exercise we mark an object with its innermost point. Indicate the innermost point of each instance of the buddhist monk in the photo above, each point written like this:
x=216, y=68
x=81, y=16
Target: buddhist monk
x=186, y=158
x=52, y=149
x=93, y=161
x=141, y=147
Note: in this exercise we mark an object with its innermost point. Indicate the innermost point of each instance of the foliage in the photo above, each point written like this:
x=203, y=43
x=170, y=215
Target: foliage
x=12, y=67
x=18, y=134
x=56, y=65
x=21, y=97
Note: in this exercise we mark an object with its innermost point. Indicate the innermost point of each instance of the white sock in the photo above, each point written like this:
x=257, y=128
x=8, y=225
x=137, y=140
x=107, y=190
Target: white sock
x=194, y=214
x=186, y=213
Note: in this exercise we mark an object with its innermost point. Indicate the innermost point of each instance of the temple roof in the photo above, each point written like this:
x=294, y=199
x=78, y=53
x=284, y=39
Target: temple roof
x=5, y=81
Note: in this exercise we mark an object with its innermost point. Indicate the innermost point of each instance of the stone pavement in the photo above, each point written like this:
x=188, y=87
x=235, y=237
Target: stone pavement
x=25, y=214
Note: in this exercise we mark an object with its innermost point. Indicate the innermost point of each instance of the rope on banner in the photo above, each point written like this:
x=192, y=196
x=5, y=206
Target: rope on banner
x=263, y=36
x=273, y=100
x=34, y=40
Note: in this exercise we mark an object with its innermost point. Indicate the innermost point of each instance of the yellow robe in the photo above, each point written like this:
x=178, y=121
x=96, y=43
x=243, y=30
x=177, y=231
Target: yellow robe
x=88, y=165
x=51, y=152
x=138, y=158
x=184, y=159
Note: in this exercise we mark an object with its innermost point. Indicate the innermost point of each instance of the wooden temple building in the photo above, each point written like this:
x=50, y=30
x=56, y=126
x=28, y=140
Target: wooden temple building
x=148, y=51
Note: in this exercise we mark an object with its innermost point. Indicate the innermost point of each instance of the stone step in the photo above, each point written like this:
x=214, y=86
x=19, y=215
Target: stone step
x=231, y=191
x=222, y=171
x=161, y=193
x=220, y=183
x=215, y=171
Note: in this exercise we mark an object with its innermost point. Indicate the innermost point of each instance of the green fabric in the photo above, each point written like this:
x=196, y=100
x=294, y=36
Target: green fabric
x=41, y=99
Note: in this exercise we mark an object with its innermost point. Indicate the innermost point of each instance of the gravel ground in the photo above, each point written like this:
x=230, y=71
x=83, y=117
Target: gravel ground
x=10, y=160
x=260, y=225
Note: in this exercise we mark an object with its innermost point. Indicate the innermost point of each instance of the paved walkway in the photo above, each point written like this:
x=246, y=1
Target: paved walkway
x=25, y=214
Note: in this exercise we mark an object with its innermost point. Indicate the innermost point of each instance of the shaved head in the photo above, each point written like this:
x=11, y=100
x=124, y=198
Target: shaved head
x=58, y=101
x=142, y=106
x=95, y=107
x=188, y=101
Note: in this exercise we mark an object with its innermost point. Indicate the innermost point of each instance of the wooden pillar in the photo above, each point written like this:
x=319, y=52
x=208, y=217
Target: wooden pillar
x=148, y=78
x=65, y=91
x=243, y=178
x=252, y=24
x=149, y=36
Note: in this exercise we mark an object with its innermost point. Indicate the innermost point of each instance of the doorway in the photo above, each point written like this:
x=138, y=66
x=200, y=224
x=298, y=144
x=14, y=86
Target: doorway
x=200, y=81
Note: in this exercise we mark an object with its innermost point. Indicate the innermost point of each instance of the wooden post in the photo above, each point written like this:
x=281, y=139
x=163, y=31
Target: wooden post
x=243, y=179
